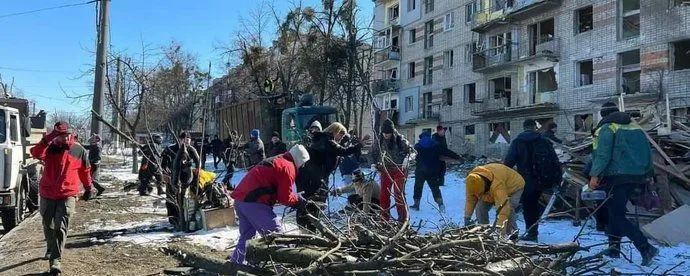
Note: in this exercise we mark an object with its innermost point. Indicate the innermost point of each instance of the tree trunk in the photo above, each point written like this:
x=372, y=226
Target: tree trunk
x=135, y=158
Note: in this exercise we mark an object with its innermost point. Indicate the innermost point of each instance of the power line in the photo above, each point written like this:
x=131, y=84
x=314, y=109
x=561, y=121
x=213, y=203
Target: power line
x=35, y=70
x=46, y=9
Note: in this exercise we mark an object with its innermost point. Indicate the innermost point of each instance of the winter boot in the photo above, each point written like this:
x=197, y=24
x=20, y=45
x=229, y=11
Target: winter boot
x=614, y=250
x=531, y=236
x=415, y=206
x=441, y=207
x=648, y=255
x=55, y=267
x=47, y=255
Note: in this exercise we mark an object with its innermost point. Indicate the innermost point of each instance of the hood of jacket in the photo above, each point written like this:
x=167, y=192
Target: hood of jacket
x=620, y=118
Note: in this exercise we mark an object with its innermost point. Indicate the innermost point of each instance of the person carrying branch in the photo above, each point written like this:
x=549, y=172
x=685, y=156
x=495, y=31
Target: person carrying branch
x=94, y=148
x=269, y=182
x=150, y=168
x=184, y=176
x=66, y=167
x=324, y=152
x=388, y=157
x=494, y=184
x=430, y=168
x=365, y=195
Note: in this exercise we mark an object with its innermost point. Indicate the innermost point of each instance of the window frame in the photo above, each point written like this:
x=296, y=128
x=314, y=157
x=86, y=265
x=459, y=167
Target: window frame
x=630, y=68
x=578, y=22
x=14, y=128
x=466, y=93
x=428, y=70
x=449, y=21
x=578, y=73
x=429, y=27
x=409, y=104
x=448, y=59
x=622, y=15
x=448, y=96
x=412, y=33
x=411, y=74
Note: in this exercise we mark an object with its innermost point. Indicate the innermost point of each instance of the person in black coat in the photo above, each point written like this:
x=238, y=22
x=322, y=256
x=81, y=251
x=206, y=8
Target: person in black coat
x=521, y=154
x=440, y=138
x=217, y=149
x=312, y=178
x=94, y=148
x=429, y=165
x=276, y=146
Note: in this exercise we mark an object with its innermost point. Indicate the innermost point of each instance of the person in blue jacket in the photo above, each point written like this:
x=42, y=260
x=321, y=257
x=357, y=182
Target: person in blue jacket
x=428, y=168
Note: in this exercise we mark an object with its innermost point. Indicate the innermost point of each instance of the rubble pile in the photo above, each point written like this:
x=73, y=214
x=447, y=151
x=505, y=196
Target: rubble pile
x=369, y=247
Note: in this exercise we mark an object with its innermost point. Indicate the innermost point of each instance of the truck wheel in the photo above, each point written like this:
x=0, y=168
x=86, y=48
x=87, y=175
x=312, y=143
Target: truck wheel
x=11, y=217
x=33, y=178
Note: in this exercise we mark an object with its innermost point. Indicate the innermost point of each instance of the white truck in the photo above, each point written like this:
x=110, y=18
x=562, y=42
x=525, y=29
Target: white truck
x=20, y=173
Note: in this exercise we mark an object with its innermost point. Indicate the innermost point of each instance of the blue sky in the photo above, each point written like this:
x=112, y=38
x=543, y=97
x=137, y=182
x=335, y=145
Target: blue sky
x=49, y=51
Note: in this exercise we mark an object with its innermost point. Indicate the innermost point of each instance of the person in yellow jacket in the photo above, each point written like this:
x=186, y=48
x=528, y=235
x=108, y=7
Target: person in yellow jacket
x=493, y=184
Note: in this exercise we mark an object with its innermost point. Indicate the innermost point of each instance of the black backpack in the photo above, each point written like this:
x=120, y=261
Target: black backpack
x=546, y=169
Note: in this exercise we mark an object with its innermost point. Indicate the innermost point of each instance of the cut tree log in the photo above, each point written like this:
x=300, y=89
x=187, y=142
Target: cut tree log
x=210, y=264
x=258, y=251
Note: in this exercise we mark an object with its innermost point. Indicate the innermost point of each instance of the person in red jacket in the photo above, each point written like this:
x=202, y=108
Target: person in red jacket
x=271, y=181
x=66, y=167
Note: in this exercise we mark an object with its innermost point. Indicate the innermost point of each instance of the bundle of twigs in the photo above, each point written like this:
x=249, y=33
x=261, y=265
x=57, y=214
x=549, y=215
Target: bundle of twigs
x=365, y=247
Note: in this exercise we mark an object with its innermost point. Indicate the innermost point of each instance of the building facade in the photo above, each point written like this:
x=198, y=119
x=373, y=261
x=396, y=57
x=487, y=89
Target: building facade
x=482, y=67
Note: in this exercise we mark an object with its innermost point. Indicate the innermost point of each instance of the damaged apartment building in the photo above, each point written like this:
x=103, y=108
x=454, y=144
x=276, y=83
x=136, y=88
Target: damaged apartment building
x=481, y=67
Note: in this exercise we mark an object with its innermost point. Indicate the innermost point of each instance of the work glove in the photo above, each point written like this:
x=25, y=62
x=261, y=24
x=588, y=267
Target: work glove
x=469, y=222
x=88, y=195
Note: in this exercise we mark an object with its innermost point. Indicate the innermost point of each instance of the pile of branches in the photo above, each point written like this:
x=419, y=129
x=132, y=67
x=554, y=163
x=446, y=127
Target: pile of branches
x=375, y=248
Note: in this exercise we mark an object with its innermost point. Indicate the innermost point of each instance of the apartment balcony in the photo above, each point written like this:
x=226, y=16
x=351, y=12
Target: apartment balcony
x=492, y=107
x=430, y=114
x=500, y=12
x=390, y=53
x=513, y=53
x=385, y=85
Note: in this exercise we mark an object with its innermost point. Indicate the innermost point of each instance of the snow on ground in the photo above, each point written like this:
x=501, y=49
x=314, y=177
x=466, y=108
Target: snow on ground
x=551, y=232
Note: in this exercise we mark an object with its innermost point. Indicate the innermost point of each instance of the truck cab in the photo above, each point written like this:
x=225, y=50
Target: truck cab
x=19, y=173
x=296, y=121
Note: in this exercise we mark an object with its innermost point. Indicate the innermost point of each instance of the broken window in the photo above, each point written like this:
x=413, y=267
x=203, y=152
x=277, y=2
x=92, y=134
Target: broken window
x=629, y=19
x=427, y=98
x=681, y=55
x=677, y=3
x=541, y=32
x=393, y=73
x=409, y=104
x=499, y=133
x=469, y=130
x=470, y=93
x=394, y=103
x=411, y=73
x=393, y=12
x=584, y=20
x=585, y=72
x=448, y=59
x=500, y=88
x=681, y=115
x=501, y=4
x=541, y=81
x=428, y=70
x=470, y=49
x=429, y=34
x=584, y=123
x=629, y=71
x=448, y=96
x=498, y=43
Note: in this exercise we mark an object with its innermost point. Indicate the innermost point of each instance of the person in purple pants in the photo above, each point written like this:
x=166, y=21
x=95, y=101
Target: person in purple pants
x=271, y=181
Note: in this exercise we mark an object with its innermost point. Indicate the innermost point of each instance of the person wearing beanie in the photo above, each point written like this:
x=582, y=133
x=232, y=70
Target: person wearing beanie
x=271, y=181
x=255, y=147
x=276, y=146
x=94, y=148
x=388, y=157
x=67, y=168
x=440, y=138
x=538, y=164
x=428, y=168
x=622, y=159
x=315, y=127
x=493, y=184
